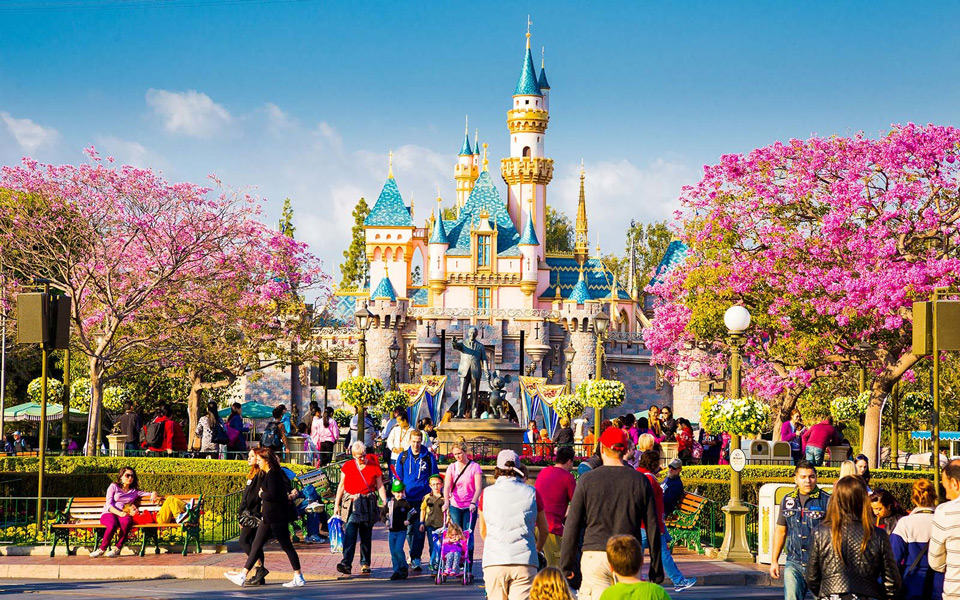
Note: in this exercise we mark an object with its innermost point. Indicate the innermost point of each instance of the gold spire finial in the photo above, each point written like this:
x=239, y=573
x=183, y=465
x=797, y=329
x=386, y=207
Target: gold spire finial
x=581, y=171
x=581, y=246
x=390, y=168
x=438, y=195
x=529, y=23
x=485, y=161
x=411, y=205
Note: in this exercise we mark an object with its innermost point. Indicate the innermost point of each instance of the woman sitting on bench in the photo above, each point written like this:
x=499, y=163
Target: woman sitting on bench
x=119, y=510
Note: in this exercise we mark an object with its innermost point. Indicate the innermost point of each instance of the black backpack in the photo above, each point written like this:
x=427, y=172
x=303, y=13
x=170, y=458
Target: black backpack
x=271, y=436
x=155, y=434
x=219, y=433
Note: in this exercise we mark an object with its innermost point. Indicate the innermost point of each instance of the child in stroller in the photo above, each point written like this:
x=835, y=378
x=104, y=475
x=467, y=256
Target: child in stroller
x=453, y=552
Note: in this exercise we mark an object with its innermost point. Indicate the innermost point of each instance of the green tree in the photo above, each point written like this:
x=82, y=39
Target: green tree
x=286, y=219
x=559, y=231
x=650, y=241
x=417, y=276
x=355, y=268
x=449, y=213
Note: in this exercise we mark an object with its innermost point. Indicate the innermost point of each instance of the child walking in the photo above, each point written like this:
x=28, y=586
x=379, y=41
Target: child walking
x=431, y=518
x=399, y=516
x=626, y=559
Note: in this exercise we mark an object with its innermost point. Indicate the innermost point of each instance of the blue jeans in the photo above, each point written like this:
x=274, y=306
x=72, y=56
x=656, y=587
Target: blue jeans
x=670, y=567
x=434, y=547
x=794, y=584
x=815, y=456
x=465, y=520
x=415, y=539
x=352, y=530
x=396, y=540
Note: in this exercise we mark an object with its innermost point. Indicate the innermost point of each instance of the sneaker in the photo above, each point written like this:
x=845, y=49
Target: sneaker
x=396, y=575
x=297, y=581
x=342, y=568
x=365, y=569
x=112, y=553
x=689, y=582
x=404, y=574
x=97, y=553
x=236, y=578
x=314, y=506
x=415, y=563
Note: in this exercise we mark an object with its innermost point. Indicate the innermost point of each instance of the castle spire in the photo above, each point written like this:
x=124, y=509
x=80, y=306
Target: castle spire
x=527, y=85
x=465, y=150
x=390, y=168
x=485, y=161
x=581, y=246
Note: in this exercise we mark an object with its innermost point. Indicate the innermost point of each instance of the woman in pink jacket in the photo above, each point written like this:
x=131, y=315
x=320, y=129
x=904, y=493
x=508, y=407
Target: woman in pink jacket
x=325, y=433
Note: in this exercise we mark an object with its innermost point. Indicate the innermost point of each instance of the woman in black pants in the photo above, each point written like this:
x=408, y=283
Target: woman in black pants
x=251, y=510
x=276, y=494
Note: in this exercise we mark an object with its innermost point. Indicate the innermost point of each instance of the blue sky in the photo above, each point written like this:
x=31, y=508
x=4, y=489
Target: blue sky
x=305, y=98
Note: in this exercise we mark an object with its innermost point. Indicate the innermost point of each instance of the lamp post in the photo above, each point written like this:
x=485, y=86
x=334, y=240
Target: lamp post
x=600, y=324
x=362, y=318
x=568, y=354
x=394, y=350
x=411, y=363
x=735, y=547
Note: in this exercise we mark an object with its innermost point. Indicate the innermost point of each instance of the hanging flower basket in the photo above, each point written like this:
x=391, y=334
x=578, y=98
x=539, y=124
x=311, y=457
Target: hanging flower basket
x=849, y=408
x=601, y=393
x=917, y=404
x=392, y=401
x=709, y=418
x=736, y=416
x=342, y=417
x=361, y=391
x=569, y=406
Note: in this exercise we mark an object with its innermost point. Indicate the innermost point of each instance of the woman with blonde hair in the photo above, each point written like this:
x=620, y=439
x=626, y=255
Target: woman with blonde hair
x=847, y=468
x=849, y=555
x=909, y=541
x=550, y=584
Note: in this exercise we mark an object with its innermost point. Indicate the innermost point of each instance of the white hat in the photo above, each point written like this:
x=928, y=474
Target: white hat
x=506, y=456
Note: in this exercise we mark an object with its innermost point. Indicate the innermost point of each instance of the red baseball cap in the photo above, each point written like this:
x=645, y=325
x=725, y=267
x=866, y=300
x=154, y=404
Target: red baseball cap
x=614, y=438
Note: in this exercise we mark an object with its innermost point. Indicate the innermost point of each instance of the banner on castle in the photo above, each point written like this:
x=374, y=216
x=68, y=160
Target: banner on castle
x=433, y=393
x=548, y=394
x=415, y=393
x=531, y=398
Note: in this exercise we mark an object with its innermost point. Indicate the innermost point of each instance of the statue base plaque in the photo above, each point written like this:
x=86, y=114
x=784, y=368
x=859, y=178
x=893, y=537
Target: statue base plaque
x=506, y=433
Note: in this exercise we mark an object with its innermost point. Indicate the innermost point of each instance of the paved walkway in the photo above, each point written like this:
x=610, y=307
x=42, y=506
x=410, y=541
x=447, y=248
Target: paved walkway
x=316, y=560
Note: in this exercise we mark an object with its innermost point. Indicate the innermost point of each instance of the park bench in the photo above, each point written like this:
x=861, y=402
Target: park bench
x=684, y=522
x=84, y=513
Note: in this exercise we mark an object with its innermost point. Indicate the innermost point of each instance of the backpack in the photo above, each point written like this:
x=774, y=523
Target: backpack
x=271, y=436
x=155, y=434
x=219, y=434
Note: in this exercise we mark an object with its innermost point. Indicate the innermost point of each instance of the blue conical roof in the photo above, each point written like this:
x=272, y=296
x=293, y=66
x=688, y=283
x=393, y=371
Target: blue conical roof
x=543, y=85
x=529, y=237
x=483, y=198
x=389, y=210
x=527, y=86
x=465, y=150
x=580, y=293
x=384, y=290
x=439, y=235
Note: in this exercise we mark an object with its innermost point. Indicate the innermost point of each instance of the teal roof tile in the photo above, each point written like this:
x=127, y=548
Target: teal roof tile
x=389, y=210
x=529, y=237
x=384, y=290
x=420, y=297
x=439, y=235
x=565, y=273
x=527, y=86
x=676, y=253
x=466, y=150
x=580, y=293
x=484, y=197
x=542, y=84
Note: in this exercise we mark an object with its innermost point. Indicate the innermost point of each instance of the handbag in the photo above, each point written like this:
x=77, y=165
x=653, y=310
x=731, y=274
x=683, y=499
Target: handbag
x=248, y=519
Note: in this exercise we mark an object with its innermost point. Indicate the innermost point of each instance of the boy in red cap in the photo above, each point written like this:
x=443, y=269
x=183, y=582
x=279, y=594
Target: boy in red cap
x=609, y=500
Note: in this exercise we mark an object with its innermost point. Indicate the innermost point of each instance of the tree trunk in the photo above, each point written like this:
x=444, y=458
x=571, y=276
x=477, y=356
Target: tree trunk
x=96, y=405
x=194, y=408
x=880, y=388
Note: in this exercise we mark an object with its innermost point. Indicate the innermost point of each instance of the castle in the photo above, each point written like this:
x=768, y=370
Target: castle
x=488, y=267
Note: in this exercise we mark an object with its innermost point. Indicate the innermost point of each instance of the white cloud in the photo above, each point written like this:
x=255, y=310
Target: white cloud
x=189, y=113
x=618, y=191
x=29, y=135
x=128, y=152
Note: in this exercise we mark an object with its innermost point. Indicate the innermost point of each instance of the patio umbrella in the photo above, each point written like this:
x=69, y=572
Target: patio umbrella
x=30, y=411
x=251, y=410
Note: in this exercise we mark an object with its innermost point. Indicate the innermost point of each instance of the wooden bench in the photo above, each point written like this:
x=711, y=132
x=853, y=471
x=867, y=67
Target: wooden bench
x=84, y=513
x=683, y=524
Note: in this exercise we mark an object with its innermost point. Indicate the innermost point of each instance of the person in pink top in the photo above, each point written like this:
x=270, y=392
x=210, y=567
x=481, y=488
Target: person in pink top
x=818, y=438
x=791, y=432
x=119, y=510
x=462, y=486
x=324, y=432
x=556, y=485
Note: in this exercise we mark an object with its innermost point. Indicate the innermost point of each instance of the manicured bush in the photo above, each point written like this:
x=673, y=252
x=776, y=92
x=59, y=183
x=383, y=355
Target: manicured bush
x=95, y=484
x=143, y=465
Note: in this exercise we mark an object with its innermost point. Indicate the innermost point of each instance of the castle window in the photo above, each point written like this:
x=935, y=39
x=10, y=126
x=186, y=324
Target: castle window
x=526, y=102
x=483, y=298
x=526, y=151
x=483, y=250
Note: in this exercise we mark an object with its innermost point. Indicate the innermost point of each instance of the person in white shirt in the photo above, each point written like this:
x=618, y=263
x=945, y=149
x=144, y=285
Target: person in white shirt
x=399, y=439
x=943, y=552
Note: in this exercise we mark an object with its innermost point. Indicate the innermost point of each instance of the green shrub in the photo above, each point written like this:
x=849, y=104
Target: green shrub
x=143, y=465
x=95, y=484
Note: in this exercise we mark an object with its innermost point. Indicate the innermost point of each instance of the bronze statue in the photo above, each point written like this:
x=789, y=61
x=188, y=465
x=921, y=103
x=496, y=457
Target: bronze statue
x=473, y=364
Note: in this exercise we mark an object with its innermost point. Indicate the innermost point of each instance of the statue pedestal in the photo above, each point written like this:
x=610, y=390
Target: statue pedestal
x=499, y=432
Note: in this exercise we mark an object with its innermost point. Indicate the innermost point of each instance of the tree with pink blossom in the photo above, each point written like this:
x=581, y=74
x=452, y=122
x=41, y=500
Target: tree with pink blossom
x=142, y=257
x=827, y=242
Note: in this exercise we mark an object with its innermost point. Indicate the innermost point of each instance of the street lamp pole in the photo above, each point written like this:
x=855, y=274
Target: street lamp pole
x=568, y=354
x=394, y=355
x=362, y=318
x=600, y=324
x=735, y=547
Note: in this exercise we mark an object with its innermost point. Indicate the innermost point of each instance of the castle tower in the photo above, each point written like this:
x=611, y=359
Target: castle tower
x=544, y=85
x=436, y=250
x=528, y=258
x=527, y=171
x=388, y=230
x=581, y=241
x=466, y=170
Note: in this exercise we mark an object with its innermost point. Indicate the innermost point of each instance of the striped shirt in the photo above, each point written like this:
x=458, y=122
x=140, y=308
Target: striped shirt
x=944, y=550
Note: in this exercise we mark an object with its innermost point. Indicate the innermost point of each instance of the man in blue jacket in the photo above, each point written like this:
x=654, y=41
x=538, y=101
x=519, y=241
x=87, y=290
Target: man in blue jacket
x=414, y=468
x=672, y=486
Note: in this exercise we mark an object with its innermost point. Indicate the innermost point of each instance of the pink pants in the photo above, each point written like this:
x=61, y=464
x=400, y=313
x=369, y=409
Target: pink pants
x=112, y=522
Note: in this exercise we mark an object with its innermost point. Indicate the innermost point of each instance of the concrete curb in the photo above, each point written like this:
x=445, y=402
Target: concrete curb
x=123, y=572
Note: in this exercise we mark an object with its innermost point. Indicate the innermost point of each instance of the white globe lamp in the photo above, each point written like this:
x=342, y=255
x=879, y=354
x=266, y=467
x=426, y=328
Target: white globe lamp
x=737, y=319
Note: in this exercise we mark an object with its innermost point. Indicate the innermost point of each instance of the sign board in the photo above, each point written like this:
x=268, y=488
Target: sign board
x=948, y=325
x=738, y=460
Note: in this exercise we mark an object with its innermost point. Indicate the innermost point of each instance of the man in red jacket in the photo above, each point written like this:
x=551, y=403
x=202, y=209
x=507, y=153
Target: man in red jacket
x=173, y=438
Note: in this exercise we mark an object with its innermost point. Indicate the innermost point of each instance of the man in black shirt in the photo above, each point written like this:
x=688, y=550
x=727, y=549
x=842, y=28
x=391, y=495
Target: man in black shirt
x=130, y=426
x=609, y=500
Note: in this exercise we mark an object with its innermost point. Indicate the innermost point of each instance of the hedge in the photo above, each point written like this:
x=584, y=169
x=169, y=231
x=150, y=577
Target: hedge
x=713, y=482
x=143, y=465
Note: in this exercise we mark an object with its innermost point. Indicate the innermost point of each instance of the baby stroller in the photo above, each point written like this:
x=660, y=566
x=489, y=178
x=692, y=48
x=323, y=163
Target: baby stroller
x=465, y=570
